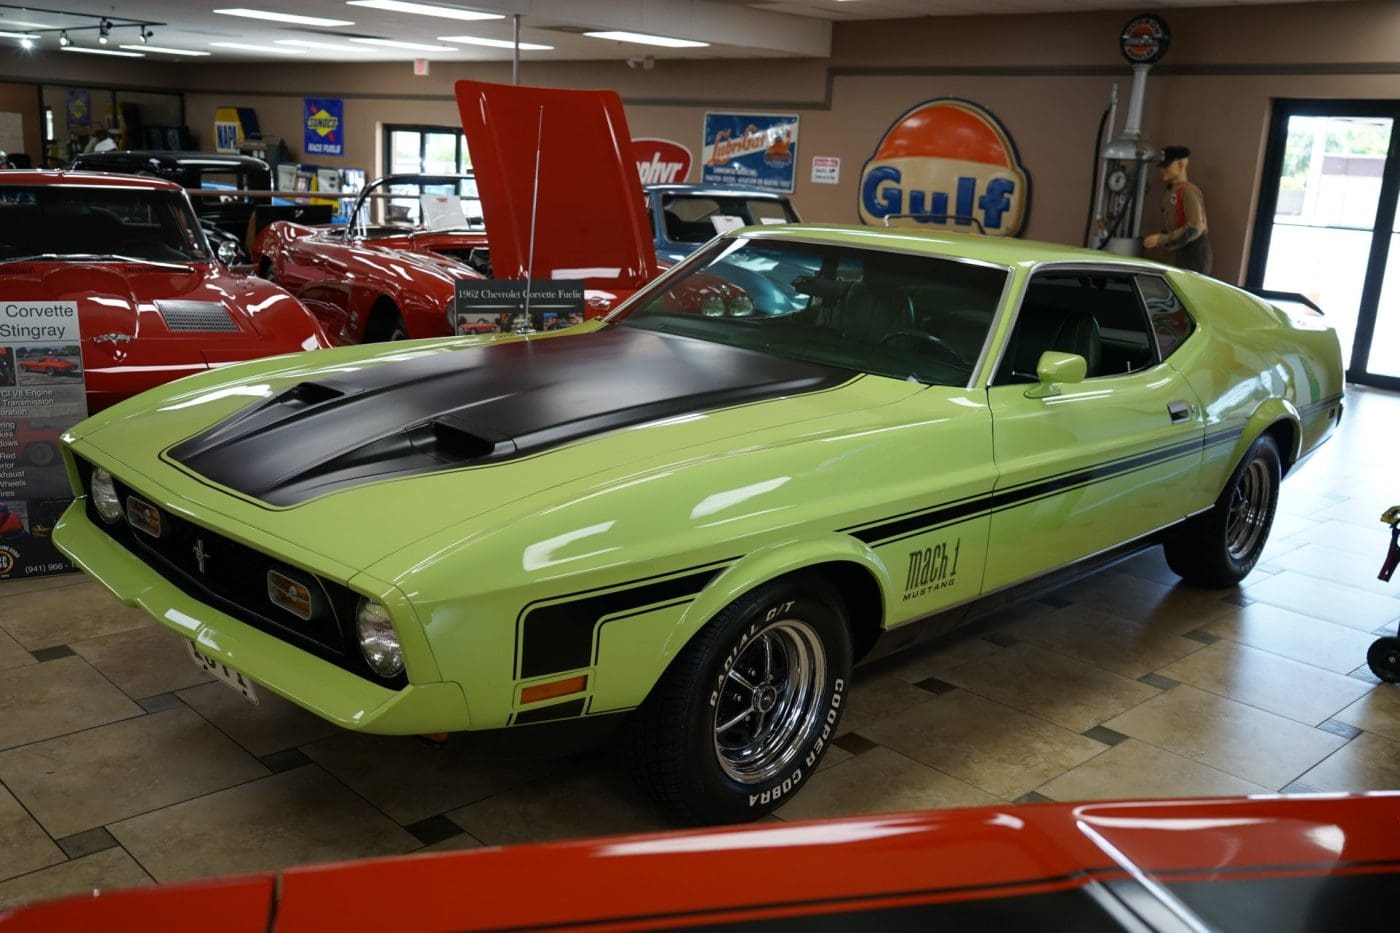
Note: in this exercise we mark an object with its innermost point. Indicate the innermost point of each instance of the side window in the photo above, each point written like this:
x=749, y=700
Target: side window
x=1096, y=315
x=1170, y=321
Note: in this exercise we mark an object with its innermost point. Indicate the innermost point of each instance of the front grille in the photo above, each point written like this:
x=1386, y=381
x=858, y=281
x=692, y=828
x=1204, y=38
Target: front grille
x=233, y=578
x=184, y=317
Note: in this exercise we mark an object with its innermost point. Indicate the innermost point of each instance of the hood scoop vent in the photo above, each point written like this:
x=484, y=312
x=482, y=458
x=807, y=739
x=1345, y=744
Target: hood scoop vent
x=17, y=270
x=191, y=317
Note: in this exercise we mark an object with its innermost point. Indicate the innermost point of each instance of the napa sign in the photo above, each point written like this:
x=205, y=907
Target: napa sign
x=946, y=164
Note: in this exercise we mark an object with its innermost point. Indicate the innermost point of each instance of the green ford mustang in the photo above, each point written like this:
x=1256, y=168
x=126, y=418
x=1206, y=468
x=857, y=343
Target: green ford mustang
x=802, y=447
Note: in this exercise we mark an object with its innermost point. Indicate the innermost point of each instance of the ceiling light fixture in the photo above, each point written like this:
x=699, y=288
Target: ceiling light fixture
x=276, y=17
x=102, y=30
x=162, y=51
x=146, y=35
x=424, y=9
x=26, y=43
x=641, y=38
x=329, y=46
x=63, y=40
x=245, y=47
x=408, y=46
x=496, y=43
x=75, y=48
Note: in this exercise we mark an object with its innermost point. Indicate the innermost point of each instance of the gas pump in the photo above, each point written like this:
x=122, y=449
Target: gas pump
x=1125, y=162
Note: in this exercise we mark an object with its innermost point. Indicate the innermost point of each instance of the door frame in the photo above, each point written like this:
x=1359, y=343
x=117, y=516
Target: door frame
x=1283, y=109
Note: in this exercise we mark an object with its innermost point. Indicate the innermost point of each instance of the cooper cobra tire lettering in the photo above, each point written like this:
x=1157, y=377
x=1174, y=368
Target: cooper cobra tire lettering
x=746, y=710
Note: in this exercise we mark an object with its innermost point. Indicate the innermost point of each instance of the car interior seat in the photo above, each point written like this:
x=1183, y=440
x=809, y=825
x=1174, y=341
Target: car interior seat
x=1040, y=329
x=870, y=313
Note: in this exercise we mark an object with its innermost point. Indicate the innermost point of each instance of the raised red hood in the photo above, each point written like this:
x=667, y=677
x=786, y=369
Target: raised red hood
x=588, y=218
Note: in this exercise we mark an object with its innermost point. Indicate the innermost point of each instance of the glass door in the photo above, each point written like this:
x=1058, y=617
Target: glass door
x=1327, y=224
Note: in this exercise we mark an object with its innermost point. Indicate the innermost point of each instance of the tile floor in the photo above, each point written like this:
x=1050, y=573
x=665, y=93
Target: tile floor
x=120, y=764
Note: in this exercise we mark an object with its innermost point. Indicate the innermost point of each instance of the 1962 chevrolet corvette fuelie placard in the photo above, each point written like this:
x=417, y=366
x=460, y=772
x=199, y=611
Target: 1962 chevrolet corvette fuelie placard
x=693, y=517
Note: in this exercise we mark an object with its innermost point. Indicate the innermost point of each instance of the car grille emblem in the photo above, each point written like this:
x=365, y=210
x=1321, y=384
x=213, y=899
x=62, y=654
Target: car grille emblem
x=200, y=554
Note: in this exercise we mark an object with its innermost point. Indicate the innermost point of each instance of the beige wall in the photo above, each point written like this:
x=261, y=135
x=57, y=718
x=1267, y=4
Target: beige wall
x=1047, y=78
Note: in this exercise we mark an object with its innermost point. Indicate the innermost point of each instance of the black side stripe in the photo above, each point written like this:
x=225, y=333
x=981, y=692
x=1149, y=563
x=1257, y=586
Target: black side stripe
x=559, y=636
x=1319, y=406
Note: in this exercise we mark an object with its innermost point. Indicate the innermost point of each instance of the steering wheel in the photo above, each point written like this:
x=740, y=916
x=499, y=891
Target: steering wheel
x=924, y=337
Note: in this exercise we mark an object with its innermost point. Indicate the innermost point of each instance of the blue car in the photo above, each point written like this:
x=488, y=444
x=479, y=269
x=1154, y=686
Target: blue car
x=685, y=216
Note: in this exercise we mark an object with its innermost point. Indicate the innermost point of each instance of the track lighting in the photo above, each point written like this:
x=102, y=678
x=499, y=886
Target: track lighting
x=26, y=43
x=102, y=30
x=146, y=35
x=63, y=40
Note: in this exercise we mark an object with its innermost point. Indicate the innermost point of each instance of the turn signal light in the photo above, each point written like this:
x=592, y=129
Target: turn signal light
x=555, y=688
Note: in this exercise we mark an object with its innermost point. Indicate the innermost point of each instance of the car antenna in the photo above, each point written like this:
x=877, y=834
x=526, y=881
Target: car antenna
x=534, y=207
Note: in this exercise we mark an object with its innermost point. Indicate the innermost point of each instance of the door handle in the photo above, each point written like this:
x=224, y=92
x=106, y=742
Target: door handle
x=1179, y=411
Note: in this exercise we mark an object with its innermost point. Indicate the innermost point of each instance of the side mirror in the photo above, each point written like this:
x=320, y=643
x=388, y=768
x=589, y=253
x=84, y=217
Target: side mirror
x=1054, y=368
x=227, y=251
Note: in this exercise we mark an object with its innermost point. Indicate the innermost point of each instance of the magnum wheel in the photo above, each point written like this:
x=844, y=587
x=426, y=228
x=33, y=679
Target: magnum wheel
x=1384, y=659
x=746, y=711
x=48, y=370
x=1220, y=548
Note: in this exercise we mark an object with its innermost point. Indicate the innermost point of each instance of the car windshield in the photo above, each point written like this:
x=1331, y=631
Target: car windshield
x=902, y=315
x=394, y=206
x=695, y=218
x=60, y=221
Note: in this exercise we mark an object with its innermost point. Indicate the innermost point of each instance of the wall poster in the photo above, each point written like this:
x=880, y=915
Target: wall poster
x=42, y=394
x=745, y=150
x=325, y=126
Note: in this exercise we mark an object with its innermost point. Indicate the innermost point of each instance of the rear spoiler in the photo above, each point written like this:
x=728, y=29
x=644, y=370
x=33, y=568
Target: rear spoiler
x=1292, y=303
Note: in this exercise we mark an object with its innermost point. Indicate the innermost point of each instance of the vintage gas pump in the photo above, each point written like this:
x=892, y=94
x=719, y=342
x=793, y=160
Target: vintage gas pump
x=1125, y=162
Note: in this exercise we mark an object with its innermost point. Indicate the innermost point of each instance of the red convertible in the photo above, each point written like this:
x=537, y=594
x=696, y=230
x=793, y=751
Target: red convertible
x=560, y=200
x=125, y=259
x=48, y=364
x=1326, y=862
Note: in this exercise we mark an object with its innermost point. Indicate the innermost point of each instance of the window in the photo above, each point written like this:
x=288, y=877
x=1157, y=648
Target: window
x=424, y=149
x=1096, y=315
x=905, y=316
x=1170, y=322
x=694, y=218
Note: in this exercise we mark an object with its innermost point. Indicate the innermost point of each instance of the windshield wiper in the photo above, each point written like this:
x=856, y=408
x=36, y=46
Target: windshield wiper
x=98, y=257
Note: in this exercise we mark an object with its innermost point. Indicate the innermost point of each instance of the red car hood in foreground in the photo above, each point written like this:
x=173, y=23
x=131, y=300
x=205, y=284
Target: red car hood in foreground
x=558, y=182
x=144, y=324
x=1326, y=862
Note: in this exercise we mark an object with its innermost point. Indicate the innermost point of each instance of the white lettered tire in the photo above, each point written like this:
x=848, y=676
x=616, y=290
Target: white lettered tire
x=742, y=717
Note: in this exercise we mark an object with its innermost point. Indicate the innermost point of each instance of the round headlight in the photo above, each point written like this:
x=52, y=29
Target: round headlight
x=712, y=306
x=742, y=306
x=379, y=643
x=104, y=496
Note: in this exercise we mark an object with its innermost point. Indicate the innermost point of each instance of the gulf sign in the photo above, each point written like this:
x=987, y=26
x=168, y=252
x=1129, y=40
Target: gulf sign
x=947, y=164
x=661, y=161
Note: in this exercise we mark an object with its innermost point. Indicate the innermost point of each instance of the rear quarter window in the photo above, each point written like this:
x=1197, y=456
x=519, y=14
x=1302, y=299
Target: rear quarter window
x=1171, y=323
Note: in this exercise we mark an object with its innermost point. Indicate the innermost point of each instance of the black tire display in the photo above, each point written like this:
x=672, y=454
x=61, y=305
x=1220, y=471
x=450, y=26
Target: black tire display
x=1219, y=548
x=744, y=714
x=1383, y=658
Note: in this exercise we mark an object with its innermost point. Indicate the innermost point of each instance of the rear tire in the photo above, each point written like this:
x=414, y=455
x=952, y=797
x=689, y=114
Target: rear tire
x=744, y=714
x=385, y=325
x=1219, y=548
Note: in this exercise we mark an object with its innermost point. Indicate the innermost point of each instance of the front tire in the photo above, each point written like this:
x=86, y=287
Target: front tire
x=744, y=714
x=1219, y=548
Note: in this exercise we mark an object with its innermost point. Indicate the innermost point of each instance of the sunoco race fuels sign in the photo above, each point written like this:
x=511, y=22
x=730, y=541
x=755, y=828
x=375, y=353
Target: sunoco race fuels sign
x=325, y=126
x=947, y=164
x=41, y=395
x=745, y=150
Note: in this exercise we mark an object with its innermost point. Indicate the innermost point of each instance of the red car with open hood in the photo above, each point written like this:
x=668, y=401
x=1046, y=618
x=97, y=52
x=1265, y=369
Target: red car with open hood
x=555, y=183
x=128, y=257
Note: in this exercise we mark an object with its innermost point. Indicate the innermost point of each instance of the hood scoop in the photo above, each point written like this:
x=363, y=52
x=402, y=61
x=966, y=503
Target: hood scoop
x=193, y=317
x=478, y=405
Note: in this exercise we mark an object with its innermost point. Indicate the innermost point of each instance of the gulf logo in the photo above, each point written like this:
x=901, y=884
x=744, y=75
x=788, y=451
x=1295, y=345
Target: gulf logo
x=661, y=161
x=947, y=164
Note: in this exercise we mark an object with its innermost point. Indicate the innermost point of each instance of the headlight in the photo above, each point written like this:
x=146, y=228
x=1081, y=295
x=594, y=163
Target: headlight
x=379, y=643
x=104, y=496
x=712, y=306
x=742, y=306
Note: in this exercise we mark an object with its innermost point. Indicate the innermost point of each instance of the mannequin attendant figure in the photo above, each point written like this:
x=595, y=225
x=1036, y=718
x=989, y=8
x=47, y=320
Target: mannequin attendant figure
x=1184, y=232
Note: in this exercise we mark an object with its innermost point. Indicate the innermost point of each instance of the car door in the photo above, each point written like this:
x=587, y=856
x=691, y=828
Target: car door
x=1084, y=466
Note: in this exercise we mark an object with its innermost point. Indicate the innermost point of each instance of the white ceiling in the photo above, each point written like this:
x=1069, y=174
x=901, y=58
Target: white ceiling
x=734, y=28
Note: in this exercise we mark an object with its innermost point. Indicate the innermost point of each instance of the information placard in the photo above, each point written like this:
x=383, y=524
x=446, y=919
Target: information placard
x=42, y=394
x=485, y=306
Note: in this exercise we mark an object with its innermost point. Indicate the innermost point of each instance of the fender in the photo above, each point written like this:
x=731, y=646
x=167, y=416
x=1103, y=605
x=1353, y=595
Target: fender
x=766, y=564
x=1270, y=412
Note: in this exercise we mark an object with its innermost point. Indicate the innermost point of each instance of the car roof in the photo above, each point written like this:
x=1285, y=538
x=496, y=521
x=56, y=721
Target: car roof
x=172, y=159
x=58, y=177
x=714, y=191
x=1001, y=251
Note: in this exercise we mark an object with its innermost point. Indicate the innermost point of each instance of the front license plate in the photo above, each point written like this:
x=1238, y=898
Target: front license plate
x=233, y=679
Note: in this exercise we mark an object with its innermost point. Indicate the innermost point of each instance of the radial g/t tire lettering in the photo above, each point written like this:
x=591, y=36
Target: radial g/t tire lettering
x=742, y=717
x=1219, y=548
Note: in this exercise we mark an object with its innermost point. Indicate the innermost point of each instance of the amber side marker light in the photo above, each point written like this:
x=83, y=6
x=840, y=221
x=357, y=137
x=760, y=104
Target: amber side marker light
x=555, y=688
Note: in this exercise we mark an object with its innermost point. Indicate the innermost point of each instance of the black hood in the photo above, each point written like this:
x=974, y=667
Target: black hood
x=479, y=405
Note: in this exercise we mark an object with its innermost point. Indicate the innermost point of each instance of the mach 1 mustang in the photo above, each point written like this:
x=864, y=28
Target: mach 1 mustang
x=127, y=255
x=693, y=518
x=557, y=198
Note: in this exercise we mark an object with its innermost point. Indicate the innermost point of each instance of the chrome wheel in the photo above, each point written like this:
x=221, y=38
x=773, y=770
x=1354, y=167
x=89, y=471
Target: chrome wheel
x=770, y=701
x=1248, y=517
